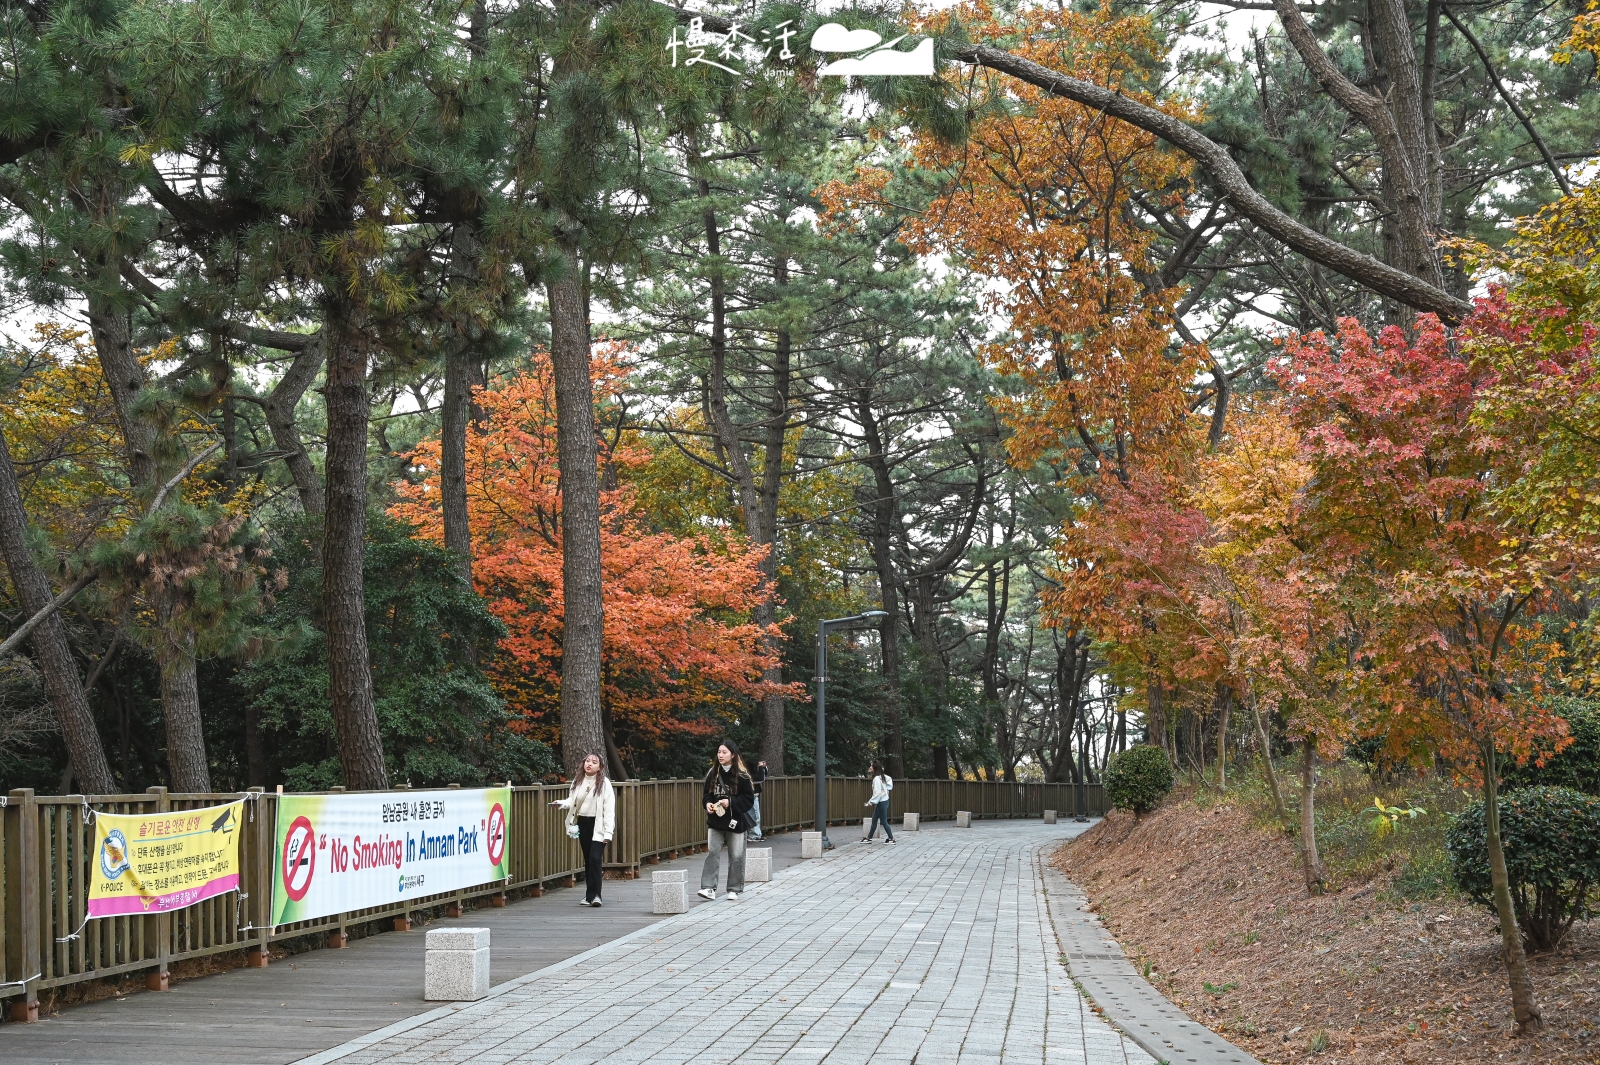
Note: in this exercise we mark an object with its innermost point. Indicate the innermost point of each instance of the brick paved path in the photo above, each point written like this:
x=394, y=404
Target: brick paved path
x=937, y=950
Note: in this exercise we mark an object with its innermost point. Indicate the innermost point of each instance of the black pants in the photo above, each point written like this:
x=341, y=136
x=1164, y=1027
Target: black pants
x=594, y=859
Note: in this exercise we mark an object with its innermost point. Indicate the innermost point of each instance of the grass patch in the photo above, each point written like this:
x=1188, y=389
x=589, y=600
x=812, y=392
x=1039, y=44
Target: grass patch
x=1410, y=856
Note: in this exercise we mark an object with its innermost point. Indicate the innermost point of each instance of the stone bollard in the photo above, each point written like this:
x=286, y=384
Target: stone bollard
x=1049, y=817
x=757, y=865
x=811, y=844
x=669, y=891
x=963, y=818
x=866, y=825
x=911, y=822
x=457, y=965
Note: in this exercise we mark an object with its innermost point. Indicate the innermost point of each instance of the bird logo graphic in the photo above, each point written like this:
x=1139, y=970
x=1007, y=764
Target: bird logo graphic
x=878, y=61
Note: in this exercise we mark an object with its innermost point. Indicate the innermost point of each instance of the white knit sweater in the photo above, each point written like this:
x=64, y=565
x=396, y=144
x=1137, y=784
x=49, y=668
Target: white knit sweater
x=881, y=787
x=601, y=806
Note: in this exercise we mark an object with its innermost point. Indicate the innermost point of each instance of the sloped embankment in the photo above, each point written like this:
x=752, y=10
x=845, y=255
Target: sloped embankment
x=1216, y=906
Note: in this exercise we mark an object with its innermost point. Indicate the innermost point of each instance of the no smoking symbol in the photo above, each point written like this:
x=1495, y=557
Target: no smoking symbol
x=299, y=858
x=497, y=834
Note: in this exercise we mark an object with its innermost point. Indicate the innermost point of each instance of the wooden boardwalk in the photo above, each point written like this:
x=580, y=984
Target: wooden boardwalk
x=301, y=1005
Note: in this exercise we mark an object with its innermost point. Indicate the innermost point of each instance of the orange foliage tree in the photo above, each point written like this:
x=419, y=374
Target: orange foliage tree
x=1041, y=198
x=680, y=650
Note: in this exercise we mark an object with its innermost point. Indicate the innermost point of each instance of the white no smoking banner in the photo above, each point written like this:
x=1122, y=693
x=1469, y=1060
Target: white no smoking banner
x=348, y=852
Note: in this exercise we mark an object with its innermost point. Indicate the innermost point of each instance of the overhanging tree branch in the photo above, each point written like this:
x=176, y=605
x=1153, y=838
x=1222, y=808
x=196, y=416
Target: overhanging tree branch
x=91, y=574
x=1380, y=277
x=1511, y=101
x=1361, y=268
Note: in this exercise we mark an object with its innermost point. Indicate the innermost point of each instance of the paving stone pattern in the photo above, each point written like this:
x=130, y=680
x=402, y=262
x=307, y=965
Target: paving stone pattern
x=1109, y=978
x=938, y=951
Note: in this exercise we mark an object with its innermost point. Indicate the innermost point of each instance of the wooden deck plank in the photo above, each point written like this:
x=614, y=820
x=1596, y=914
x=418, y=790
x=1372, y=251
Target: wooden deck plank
x=301, y=1005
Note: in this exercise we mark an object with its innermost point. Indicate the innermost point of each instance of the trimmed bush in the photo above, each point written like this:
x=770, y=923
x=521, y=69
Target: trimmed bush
x=1551, y=838
x=1576, y=767
x=1138, y=779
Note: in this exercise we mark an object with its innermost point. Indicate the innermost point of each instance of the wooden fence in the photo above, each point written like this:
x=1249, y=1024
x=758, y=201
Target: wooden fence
x=47, y=844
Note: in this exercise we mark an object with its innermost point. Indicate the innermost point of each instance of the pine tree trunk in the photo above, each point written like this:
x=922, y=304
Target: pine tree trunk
x=453, y=457
x=279, y=407
x=60, y=671
x=883, y=510
x=355, y=716
x=180, y=706
x=583, y=618
x=766, y=612
x=1310, y=860
x=1524, y=1009
x=125, y=379
x=759, y=503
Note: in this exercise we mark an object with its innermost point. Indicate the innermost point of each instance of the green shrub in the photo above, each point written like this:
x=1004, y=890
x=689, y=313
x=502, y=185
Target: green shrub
x=1138, y=779
x=1576, y=767
x=1551, y=837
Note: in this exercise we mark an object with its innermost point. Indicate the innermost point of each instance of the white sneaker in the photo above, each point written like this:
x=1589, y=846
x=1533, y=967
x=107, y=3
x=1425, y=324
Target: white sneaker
x=707, y=893
x=733, y=896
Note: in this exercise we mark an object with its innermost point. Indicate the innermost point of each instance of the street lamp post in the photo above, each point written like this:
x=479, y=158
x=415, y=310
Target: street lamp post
x=823, y=627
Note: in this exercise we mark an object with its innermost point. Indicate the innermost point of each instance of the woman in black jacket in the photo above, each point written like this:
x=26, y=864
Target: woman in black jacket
x=728, y=796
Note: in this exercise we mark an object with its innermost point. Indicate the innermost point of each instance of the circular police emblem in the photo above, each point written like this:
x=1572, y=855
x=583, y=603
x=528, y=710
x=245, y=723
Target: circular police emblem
x=114, y=854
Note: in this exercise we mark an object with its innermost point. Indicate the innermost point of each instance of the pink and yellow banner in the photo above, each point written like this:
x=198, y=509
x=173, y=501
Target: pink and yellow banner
x=155, y=863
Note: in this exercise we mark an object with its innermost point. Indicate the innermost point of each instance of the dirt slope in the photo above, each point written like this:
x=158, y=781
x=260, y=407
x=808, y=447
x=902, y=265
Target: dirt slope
x=1217, y=908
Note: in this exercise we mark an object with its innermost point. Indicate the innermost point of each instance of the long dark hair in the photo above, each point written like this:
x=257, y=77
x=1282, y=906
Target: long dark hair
x=736, y=766
x=875, y=770
x=599, y=777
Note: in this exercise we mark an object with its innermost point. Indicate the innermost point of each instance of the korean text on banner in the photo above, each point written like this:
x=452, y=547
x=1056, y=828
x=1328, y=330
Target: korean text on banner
x=152, y=863
x=336, y=853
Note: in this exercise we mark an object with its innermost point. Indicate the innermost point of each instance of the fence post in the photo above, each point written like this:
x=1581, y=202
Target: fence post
x=261, y=859
x=157, y=981
x=537, y=891
x=22, y=901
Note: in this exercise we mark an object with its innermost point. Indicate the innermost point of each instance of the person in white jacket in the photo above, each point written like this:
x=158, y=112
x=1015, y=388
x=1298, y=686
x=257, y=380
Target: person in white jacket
x=882, y=785
x=592, y=809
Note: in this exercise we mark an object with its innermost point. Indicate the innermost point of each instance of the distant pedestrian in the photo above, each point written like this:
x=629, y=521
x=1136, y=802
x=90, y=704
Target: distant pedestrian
x=882, y=785
x=728, y=793
x=758, y=777
x=592, y=808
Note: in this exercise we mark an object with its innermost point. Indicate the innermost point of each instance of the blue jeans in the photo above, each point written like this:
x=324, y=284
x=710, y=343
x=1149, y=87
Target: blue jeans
x=880, y=813
x=755, y=817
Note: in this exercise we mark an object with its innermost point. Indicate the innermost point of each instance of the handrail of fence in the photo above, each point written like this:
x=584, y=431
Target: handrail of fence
x=47, y=843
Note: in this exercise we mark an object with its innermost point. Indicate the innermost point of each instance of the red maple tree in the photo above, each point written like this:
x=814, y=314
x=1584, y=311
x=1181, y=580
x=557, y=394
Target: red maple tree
x=680, y=653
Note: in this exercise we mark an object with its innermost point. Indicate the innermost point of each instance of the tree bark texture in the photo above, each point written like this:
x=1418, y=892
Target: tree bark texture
x=180, y=705
x=453, y=457
x=1524, y=1008
x=757, y=502
x=1278, y=806
x=884, y=518
x=1310, y=860
x=355, y=715
x=579, y=455
x=280, y=406
x=187, y=763
x=60, y=671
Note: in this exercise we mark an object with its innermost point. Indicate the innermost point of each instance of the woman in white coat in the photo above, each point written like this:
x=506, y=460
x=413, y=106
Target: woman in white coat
x=592, y=809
